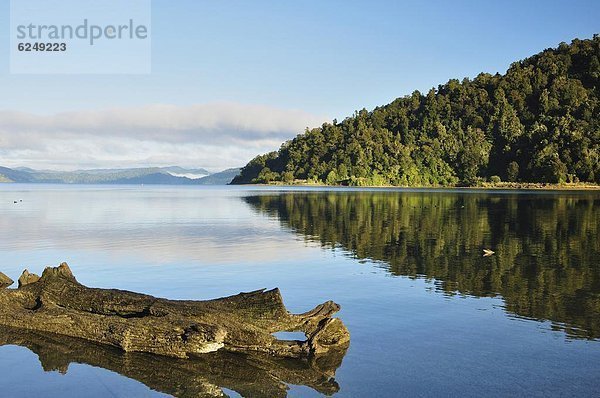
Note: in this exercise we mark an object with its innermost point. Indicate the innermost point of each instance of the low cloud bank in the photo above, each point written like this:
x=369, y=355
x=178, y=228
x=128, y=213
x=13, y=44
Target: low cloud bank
x=216, y=135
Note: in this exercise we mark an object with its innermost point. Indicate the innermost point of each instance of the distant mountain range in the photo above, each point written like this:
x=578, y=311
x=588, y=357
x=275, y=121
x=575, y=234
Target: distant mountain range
x=151, y=175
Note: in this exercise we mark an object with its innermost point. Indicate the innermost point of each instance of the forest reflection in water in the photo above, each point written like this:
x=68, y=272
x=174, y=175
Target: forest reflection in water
x=547, y=261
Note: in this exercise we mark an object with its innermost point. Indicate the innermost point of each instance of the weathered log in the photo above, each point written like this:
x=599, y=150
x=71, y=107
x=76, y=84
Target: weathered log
x=133, y=322
x=5, y=281
x=256, y=375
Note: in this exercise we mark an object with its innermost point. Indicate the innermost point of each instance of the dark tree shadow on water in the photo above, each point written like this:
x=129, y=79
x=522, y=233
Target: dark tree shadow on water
x=547, y=261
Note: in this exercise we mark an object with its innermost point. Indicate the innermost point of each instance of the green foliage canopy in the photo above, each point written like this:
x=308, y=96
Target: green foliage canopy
x=539, y=122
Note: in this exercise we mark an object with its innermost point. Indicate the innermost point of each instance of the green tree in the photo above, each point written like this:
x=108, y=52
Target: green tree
x=332, y=178
x=512, y=171
x=287, y=177
x=539, y=122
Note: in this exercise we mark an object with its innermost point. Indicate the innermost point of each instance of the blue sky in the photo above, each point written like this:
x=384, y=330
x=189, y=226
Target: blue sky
x=317, y=60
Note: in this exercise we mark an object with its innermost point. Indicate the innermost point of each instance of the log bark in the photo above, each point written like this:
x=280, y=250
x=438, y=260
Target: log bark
x=5, y=281
x=57, y=303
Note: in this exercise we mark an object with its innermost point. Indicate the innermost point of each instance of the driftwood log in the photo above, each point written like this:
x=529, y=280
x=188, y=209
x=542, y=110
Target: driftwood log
x=255, y=375
x=57, y=303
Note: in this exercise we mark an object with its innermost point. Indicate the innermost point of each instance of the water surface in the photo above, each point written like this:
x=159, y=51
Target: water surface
x=427, y=313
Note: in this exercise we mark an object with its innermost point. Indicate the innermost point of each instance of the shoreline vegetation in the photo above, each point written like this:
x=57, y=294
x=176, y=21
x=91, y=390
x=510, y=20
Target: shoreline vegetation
x=517, y=186
x=535, y=125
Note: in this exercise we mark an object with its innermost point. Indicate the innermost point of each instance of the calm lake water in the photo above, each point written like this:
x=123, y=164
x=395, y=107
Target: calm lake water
x=427, y=313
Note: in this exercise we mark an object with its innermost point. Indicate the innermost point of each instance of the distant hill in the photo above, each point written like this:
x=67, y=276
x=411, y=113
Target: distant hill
x=154, y=178
x=539, y=122
x=193, y=174
x=173, y=175
x=222, y=178
x=25, y=169
x=10, y=175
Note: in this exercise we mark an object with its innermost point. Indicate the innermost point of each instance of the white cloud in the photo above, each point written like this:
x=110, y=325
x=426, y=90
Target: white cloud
x=215, y=135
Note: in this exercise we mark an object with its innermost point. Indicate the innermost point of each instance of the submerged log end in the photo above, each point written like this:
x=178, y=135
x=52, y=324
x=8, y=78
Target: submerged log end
x=324, y=334
x=331, y=334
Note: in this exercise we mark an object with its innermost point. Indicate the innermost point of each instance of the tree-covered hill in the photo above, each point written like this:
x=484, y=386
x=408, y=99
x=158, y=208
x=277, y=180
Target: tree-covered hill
x=539, y=122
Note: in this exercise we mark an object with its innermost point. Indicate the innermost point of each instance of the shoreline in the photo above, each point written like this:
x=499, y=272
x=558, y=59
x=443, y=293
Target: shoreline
x=516, y=186
x=503, y=186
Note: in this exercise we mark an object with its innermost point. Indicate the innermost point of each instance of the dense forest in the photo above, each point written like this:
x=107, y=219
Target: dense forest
x=546, y=266
x=539, y=122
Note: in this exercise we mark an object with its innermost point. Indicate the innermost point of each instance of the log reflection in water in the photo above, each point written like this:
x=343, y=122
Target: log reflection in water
x=253, y=375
